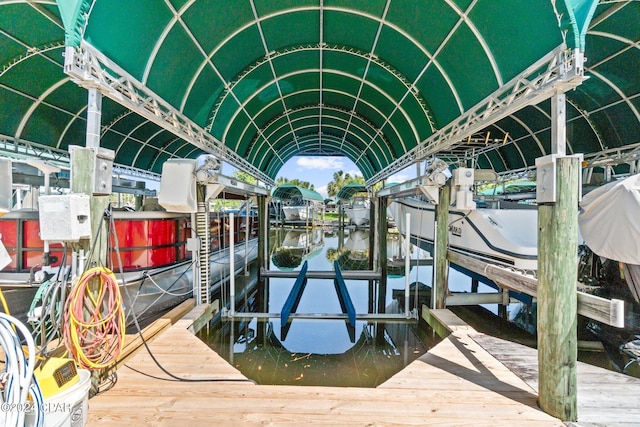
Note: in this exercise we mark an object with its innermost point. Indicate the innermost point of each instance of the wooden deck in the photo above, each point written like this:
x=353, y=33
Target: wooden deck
x=605, y=398
x=455, y=383
x=468, y=379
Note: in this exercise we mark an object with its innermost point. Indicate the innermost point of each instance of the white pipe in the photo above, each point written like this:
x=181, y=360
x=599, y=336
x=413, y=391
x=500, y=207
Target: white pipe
x=407, y=265
x=246, y=237
x=433, y=269
x=232, y=266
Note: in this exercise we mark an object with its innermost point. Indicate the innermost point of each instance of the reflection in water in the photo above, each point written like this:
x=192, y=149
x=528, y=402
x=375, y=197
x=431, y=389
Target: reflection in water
x=292, y=247
x=319, y=351
x=379, y=352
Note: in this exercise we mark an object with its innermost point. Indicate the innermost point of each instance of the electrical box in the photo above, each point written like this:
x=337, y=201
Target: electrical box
x=193, y=244
x=464, y=200
x=102, y=171
x=65, y=218
x=463, y=177
x=178, y=186
x=546, y=177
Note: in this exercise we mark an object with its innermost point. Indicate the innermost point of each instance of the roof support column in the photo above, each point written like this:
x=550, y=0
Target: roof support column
x=94, y=118
x=559, y=124
x=91, y=168
x=558, y=190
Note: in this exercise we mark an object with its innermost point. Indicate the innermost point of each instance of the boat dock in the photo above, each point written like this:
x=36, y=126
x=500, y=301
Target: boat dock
x=467, y=379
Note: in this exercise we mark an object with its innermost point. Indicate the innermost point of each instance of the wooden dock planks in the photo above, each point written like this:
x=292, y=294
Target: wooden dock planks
x=604, y=397
x=456, y=383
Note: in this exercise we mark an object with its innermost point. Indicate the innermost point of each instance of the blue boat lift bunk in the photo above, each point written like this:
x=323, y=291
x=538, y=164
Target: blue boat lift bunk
x=288, y=310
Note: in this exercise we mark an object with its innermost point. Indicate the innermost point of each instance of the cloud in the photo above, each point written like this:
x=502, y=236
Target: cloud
x=323, y=191
x=354, y=172
x=399, y=177
x=320, y=162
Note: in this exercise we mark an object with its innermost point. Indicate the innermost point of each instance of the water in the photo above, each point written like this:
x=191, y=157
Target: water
x=327, y=351
x=323, y=351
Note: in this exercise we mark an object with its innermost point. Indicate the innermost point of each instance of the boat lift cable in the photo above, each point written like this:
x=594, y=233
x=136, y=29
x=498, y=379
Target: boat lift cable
x=146, y=345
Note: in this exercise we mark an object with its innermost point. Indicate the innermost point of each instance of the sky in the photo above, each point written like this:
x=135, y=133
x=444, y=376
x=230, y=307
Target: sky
x=316, y=170
x=319, y=171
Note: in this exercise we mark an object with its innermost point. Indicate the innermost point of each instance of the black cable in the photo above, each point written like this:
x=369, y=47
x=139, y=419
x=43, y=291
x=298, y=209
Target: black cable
x=146, y=346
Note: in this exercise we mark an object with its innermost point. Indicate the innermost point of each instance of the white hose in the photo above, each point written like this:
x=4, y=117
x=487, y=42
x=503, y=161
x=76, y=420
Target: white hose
x=18, y=379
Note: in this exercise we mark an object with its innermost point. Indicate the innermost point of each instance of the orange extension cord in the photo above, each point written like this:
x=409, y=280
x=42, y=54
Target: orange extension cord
x=94, y=320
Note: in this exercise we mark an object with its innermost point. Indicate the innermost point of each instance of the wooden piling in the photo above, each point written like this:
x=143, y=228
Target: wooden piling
x=557, y=301
x=82, y=178
x=440, y=263
x=382, y=252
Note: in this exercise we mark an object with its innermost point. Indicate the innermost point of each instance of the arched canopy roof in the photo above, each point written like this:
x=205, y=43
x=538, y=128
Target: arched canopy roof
x=385, y=83
x=350, y=190
x=289, y=191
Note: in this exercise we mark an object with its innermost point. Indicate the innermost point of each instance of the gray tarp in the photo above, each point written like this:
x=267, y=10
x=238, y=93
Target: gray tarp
x=609, y=220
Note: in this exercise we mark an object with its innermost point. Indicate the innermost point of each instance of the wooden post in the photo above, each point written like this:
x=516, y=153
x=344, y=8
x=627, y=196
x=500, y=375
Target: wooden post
x=382, y=262
x=382, y=253
x=263, y=232
x=557, y=301
x=82, y=178
x=372, y=233
x=440, y=263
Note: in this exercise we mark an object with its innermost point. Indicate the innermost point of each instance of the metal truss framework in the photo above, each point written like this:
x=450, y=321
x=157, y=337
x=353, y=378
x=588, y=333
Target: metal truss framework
x=21, y=150
x=89, y=68
x=557, y=72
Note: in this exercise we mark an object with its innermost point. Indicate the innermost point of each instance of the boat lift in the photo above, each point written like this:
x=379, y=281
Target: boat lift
x=349, y=314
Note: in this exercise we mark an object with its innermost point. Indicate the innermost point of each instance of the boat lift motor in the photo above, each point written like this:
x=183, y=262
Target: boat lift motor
x=462, y=182
x=435, y=176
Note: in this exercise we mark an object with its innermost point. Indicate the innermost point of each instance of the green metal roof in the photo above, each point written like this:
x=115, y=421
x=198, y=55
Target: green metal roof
x=257, y=82
x=288, y=191
x=350, y=190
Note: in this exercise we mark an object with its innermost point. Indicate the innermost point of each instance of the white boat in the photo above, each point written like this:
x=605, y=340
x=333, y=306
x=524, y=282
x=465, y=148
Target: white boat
x=297, y=203
x=293, y=213
x=359, y=211
x=614, y=207
x=355, y=199
x=500, y=236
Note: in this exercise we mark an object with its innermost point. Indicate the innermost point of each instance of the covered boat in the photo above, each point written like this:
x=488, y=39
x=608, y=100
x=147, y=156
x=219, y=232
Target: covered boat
x=356, y=202
x=298, y=203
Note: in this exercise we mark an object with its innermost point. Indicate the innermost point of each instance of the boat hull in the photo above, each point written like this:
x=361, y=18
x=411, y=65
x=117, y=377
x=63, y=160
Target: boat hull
x=144, y=293
x=358, y=216
x=151, y=292
x=150, y=249
x=292, y=213
x=505, y=237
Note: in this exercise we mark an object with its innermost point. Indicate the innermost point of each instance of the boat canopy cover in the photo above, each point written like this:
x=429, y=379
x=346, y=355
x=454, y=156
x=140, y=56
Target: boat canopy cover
x=609, y=220
x=289, y=191
x=350, y=190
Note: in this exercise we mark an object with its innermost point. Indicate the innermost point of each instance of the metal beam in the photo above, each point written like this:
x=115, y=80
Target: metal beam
x=347, y=274
x=562, y=70
x=89, y=68
x=366, y=316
